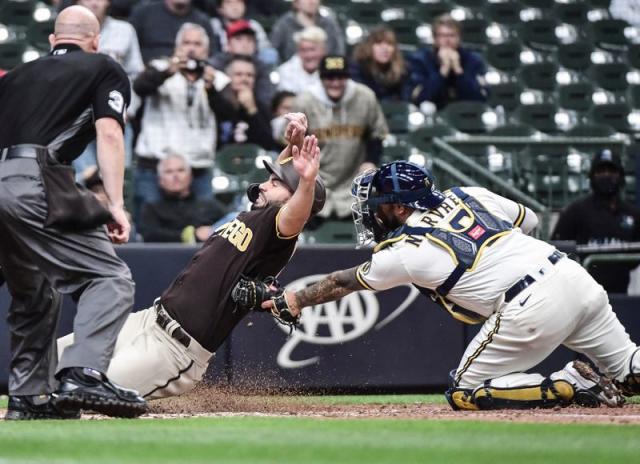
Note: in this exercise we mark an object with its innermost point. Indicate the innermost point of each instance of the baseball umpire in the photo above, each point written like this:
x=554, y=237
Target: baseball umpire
x=52, y=235
x=165, y=350
x=467, y=249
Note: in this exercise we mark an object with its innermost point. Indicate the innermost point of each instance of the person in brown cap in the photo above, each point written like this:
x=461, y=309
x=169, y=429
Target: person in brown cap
x=350, y=125
x=165, y=350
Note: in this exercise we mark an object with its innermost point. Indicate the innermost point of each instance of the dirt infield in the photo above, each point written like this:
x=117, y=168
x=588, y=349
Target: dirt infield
x=216, y=402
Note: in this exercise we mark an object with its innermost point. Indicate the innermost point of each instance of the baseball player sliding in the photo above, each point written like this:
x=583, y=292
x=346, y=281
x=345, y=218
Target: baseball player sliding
x=467, y=249
x=165, y=350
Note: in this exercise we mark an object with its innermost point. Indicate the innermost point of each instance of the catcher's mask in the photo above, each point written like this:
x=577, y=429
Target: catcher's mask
x=396, y=182
x=284, y=170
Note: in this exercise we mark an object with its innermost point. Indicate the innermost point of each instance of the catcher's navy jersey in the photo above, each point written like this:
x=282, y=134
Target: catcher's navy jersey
x=200, y=296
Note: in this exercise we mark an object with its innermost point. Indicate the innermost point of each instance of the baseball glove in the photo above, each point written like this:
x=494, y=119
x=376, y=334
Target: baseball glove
x=248, y=294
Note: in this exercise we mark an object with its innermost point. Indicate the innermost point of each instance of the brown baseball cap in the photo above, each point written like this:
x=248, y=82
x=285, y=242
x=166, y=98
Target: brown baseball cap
x=284, y=170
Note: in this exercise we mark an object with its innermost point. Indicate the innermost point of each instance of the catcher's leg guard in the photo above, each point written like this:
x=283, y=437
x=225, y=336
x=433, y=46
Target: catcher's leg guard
x=546, y=394
x=460, y=399
x=630, y=386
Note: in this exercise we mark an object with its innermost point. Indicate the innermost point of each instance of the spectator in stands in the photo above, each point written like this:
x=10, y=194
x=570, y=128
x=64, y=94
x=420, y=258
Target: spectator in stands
x=230, y=11
x=157, y=24
x=305, y=13
x=301, y=70
x=282, y=104
x=178, y=216
x=242, y=41
x=183, y=98
x=603, y=217
x=378, y=64
x=449, y=72
x=118, y=39
x=627, y=10
x=250, y=121
x=350, y=126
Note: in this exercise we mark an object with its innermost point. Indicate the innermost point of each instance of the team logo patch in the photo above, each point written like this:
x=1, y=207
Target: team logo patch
x=477, y=232
x=116, y=101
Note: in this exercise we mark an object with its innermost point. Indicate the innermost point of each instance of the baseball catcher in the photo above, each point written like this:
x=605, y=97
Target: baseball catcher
x=165, y=350
x=468, y=249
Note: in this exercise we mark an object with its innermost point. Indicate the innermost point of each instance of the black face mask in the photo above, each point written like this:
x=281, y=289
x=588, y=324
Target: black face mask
x=606, y=186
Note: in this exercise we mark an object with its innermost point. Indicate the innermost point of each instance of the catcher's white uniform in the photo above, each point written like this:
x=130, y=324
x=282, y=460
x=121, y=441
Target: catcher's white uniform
x=531, y=297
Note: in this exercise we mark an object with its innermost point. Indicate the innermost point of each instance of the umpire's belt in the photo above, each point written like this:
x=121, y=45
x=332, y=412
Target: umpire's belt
x=165, y=321
x=25, y=150
x=528, y=280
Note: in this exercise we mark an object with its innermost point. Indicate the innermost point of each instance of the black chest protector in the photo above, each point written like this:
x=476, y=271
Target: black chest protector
x=471, y=230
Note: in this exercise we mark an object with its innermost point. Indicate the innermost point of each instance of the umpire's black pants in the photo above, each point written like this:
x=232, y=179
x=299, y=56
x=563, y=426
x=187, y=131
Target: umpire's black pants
x=36, y=260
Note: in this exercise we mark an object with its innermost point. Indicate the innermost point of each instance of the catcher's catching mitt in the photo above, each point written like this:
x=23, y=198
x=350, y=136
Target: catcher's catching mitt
x=248, y=294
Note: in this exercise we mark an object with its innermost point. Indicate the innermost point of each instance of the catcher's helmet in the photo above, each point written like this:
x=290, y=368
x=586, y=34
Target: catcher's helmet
x=396, y=182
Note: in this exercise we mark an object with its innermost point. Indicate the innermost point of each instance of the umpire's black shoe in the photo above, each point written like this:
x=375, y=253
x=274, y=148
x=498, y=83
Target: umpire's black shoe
x=37, y=407
x=84, y=388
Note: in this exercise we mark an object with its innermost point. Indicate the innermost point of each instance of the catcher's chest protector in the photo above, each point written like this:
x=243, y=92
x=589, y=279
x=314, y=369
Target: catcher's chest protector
x=471, y=230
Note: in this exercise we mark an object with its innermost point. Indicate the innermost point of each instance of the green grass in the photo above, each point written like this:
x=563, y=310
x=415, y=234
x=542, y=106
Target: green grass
x=249, y=440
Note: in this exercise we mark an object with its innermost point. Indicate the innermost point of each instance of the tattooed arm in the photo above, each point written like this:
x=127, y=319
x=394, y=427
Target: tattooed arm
x=331, y=288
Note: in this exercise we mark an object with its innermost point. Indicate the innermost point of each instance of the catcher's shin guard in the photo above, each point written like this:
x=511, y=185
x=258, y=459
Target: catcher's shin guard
x=460, y=399
x=630, y=386
x=547, y=394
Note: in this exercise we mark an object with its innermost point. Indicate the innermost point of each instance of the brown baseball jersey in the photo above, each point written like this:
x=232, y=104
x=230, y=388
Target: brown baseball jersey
x=200, y=296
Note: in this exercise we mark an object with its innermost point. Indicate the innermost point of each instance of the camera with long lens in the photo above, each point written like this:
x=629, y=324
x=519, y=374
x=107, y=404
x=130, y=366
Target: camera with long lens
x=195, y=65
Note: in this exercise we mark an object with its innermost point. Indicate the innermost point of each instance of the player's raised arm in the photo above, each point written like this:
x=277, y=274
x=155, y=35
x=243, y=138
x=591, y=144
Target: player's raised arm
x=306, y=162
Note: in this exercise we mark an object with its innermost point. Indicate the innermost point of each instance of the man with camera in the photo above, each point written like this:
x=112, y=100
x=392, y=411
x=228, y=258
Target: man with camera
x=182, y=102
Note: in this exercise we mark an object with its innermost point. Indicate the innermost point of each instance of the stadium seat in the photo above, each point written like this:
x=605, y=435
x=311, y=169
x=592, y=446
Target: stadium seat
x=634, y=95
x=239, y=161
x=540, y=34
x=368, y=14
x=16, y=12
x=504, y=56
x=507, y=12
x=576, y=96
x=333, y=232
x=609, y=33
x=541, y=116
x=506, y=95
x=11, y=54
x=512, y=130
x=421, y=138
x=542, y=4
x=539, y=76
x=591, y=130
x=474, y=32
x=633, y=55
x=468, y=116
x=395, y=152
x=574, y=12
x=397, y=115
x=427, y=12
x=38, y=34
x=611, y=114
x=576, y=55
x=610, y=76
x=406, y=32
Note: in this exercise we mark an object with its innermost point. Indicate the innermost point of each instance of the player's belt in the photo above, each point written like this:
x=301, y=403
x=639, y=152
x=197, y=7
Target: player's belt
x=22, y=151
x=163, y=320
x=528, y=280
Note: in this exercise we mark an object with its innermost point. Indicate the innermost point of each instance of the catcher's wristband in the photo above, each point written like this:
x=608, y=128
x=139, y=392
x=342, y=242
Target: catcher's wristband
x=280, y=304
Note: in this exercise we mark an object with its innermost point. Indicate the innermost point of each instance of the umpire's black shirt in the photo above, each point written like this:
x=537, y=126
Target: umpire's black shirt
x=55, y=100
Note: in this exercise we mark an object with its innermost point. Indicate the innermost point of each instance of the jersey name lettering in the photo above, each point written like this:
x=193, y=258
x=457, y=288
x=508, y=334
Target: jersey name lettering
x=435, y=215
x=237, y=233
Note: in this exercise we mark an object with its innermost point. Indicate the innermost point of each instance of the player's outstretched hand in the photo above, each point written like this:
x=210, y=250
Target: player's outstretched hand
x=296, y=129
x=306, y=161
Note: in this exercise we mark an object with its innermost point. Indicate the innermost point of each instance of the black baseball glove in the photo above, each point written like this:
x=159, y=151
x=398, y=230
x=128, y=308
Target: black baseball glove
x=248, y=294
